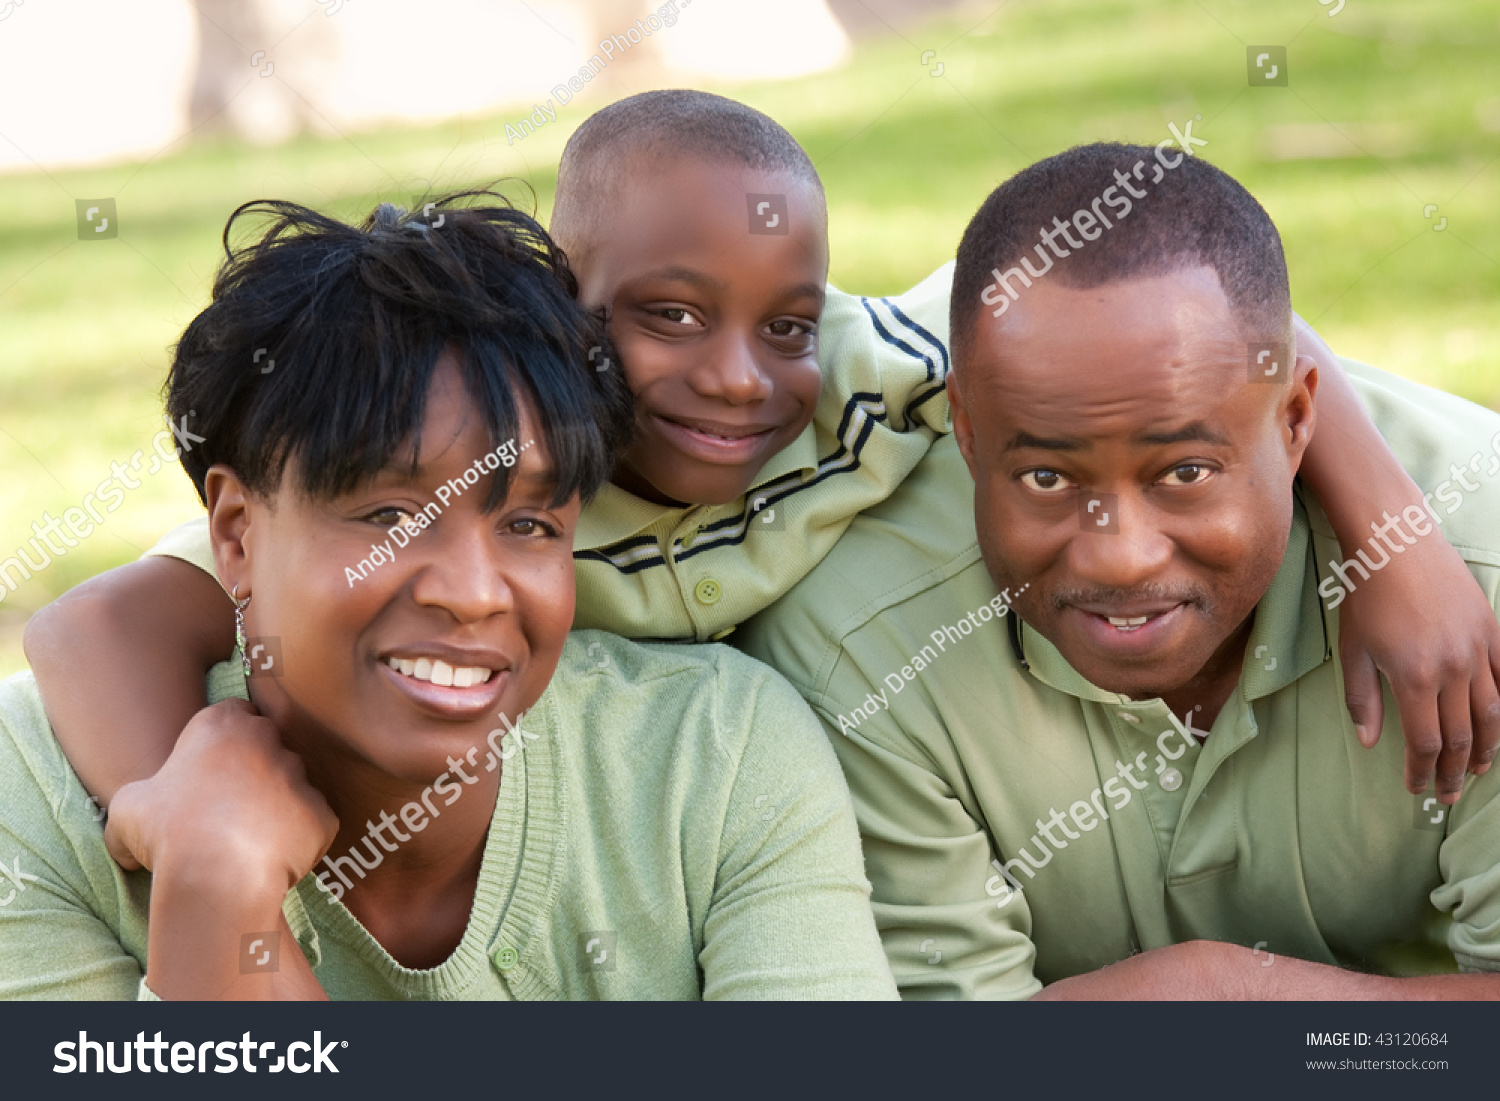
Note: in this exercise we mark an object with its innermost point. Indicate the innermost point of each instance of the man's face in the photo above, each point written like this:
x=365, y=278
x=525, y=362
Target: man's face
x=487, y=594
x=715, y=323
x=1131, y=399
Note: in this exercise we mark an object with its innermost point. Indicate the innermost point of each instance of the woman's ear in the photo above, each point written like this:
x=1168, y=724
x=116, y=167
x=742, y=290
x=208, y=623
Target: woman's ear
x=228, y=525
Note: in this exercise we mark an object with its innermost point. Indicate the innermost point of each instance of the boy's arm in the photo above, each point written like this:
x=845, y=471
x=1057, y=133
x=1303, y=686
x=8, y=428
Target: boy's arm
x=120, y=663
x=1427, y=625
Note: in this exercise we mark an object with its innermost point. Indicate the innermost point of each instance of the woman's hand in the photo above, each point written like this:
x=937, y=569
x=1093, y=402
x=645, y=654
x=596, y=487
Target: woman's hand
x=227, y=826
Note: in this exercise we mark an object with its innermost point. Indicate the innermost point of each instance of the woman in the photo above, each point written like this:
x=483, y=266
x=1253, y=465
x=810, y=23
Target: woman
x=507, y=811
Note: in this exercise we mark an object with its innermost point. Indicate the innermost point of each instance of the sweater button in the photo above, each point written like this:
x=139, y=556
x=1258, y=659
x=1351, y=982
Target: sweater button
x=708, y=591
x=506, y=958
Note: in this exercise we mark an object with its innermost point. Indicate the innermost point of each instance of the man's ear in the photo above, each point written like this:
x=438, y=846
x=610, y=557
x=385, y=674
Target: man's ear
x=228, y=525
x=963, y=427
x=1299, y=412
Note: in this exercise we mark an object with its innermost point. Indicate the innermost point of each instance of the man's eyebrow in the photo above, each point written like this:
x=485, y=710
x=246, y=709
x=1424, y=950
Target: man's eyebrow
x=1024, y=440
x=1189, y=432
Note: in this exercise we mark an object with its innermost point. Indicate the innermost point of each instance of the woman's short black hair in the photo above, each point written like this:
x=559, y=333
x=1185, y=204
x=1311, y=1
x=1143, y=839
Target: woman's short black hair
x=321, y=340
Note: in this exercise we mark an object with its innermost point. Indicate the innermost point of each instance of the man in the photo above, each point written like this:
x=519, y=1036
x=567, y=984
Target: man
x=1103, y=746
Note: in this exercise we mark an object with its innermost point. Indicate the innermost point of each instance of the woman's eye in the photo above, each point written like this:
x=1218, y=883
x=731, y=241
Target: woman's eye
x=677, y=316
x=389, y=516
x=529, y=527
x=1044, y=481
x=1187, y=474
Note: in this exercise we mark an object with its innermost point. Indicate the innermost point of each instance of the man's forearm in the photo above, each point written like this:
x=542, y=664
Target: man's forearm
x=1216, y=971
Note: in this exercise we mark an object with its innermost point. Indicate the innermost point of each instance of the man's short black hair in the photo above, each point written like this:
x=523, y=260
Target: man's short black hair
x=321, y=340
x=1190, y=214
x=664, y=124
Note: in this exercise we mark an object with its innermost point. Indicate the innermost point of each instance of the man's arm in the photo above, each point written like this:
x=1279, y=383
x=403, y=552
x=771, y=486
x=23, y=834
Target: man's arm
x=1204, y=970
x=1426, y=625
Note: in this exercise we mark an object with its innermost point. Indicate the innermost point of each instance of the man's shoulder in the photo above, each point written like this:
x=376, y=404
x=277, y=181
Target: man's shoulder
x=919, y=539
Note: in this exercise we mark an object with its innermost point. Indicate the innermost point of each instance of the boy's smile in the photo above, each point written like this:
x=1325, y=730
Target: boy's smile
x=716, y=324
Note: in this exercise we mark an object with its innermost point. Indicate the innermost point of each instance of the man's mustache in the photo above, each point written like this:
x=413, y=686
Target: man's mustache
x=1100, y=597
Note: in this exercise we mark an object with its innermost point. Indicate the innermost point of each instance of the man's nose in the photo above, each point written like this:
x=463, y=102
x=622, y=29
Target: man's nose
x=1118, y=551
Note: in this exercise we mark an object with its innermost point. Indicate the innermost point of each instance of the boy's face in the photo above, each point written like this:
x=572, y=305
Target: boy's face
x=487, y=592
x=713, y=306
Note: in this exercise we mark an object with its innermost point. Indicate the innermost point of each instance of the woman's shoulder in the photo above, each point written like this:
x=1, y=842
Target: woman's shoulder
x=689, y=701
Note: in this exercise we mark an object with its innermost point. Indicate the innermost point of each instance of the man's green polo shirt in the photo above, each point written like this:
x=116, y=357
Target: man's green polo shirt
x=1021, y=825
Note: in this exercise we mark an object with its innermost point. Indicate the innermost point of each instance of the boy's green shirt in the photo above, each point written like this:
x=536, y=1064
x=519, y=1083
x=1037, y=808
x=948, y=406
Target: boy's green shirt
x=671, y=825
x=971, y=745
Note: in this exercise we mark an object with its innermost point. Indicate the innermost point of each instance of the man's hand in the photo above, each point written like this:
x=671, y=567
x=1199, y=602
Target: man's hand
x=227, y=826
x=1442, y=668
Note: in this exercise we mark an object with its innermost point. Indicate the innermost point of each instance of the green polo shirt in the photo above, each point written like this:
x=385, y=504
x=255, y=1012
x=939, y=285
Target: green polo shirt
x=1021, y=825
x=671, y=825
x=649, y=571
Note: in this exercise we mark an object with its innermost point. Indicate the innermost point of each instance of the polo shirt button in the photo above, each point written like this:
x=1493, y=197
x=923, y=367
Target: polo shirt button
x=708, y=591
x=1128, y=717
x=1170, y=780
x=506, y=958
x=689, y=539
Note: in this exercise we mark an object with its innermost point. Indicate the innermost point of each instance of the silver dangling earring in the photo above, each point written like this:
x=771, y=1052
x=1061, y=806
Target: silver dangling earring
x=239, y=627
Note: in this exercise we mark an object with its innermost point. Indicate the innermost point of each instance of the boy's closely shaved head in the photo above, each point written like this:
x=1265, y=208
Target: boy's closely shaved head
x=662, y=125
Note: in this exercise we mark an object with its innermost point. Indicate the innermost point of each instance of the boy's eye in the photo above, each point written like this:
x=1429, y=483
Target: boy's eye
x=1186, y=474
x=678, y=316
x=787, y=327
x=1045, y=481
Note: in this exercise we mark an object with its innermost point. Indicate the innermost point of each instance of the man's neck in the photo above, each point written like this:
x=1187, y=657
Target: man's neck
x=1204, y=696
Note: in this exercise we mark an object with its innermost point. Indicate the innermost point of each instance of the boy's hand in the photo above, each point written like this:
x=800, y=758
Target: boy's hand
x=1426, y=624
x=229, y=793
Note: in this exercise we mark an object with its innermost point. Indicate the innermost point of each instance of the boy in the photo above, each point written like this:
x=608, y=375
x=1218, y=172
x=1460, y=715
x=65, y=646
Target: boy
x=698, y=226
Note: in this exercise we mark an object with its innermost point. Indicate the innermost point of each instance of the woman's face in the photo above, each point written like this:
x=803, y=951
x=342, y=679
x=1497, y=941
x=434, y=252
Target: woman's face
x=366, y=640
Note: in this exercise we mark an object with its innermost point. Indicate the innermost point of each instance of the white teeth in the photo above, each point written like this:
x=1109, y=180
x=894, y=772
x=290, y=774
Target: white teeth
x=440, y=672
x=1119, y=621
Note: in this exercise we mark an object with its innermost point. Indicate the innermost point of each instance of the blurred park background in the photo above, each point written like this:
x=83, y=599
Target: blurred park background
x=1379, y=158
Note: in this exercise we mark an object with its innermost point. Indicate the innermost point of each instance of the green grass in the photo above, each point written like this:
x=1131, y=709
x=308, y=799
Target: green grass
x=85, y=327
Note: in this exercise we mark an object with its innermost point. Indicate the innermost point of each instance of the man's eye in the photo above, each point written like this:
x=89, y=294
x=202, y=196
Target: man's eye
x=1045, y=481
x=1187, y=474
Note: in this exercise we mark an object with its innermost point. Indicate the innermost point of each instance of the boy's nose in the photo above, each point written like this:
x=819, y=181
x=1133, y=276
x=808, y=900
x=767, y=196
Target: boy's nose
x=734, y=375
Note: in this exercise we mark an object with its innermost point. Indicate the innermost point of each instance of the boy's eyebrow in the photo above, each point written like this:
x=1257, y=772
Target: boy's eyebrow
x=687, y=275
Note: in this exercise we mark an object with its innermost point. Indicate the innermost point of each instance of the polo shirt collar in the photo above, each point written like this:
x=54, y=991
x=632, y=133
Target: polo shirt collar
x=617, y=514
x=1288, y=640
